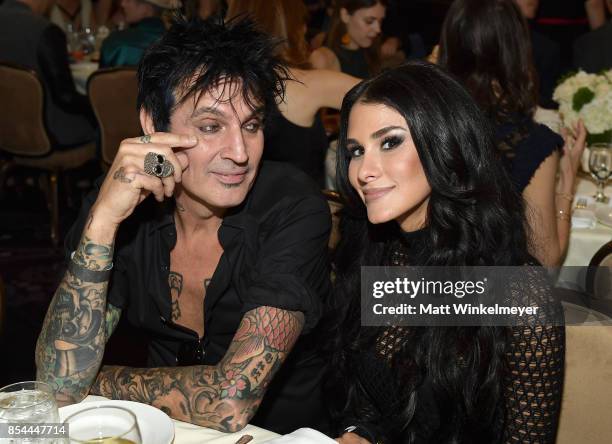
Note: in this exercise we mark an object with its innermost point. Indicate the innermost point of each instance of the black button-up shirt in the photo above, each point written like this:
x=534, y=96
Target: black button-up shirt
x=274, y=254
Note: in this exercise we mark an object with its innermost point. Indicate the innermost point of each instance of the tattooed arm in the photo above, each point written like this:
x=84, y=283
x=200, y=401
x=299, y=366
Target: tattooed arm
x=71, y=343
x=223, y=397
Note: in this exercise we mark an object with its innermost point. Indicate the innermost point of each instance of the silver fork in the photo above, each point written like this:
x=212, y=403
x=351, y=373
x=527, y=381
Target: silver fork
x=581, y=203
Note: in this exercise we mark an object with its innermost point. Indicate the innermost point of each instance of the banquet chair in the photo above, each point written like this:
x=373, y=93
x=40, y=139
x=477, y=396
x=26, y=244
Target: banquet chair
x=587, y=391
x=113, y=93
x=335, y=205
x=24, y=135
x=599, y=274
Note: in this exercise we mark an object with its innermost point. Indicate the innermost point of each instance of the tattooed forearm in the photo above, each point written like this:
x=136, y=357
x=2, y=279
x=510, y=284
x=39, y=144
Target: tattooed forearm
x=224, y=397
x=93, y=256
x=71, y=343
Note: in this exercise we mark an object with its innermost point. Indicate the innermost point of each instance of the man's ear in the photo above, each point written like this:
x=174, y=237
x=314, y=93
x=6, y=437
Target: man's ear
x=146, y=122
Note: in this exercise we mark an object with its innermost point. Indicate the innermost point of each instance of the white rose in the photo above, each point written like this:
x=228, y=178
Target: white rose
x=597, y=114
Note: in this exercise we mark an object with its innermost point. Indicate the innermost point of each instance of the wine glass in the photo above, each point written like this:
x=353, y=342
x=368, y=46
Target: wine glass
x=29, y=402
x=600, y=166
x=103, y=425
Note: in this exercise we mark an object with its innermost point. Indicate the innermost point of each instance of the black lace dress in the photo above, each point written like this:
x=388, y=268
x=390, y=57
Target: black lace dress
x=524, y=145
x=394, y=399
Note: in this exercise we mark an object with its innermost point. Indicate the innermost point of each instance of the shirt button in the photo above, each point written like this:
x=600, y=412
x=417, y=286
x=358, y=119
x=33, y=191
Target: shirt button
x=164, y=268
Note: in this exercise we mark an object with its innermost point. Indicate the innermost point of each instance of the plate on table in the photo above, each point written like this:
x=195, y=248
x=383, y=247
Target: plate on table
x=604, y=215
x=155, y=426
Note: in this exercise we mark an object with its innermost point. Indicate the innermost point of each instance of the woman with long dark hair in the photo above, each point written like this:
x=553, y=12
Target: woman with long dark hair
x=353, y=41
x=486, y=44
x=422, y=187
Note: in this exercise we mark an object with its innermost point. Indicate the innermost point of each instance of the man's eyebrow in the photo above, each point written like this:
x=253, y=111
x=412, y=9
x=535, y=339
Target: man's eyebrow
x=206, y=110
x=381, y=132
x=257, y=112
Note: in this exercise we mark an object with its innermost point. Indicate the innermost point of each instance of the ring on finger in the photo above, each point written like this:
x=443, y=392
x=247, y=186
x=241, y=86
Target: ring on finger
x=146, y=138
x=155, y=164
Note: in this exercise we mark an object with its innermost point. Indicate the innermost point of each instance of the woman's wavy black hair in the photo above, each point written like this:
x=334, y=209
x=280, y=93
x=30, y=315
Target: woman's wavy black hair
x=196, y=55
x=474, y=218
x=486, y=44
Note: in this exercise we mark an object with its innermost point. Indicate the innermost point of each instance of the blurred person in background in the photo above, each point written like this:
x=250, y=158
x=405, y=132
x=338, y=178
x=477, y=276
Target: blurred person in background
x=294, y=132
x=353, y=41
x=546, y=55
x=485, y=43
x=402, y=30
x=145, y=25
x=205, y=8
x=73, y=15
x=28, y=39
x=593, y=51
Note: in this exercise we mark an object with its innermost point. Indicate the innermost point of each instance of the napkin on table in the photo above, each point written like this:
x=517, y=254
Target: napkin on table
x=303, y=436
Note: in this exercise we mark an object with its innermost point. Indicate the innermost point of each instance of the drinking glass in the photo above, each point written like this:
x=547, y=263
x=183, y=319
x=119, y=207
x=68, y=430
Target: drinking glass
x=600, y=167
x=103, y=425
x=30, y=402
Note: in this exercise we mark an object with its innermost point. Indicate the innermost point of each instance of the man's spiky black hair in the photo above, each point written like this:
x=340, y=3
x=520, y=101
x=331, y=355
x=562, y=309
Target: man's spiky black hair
x=198, y=55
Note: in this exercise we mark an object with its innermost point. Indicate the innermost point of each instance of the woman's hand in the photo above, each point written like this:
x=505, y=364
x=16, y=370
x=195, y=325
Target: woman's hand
x=434, y=55
x=571, y=157
x=352, y=438
x=127, y=185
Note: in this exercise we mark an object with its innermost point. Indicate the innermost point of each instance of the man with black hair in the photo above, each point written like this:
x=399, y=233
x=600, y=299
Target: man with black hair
x=225, y=268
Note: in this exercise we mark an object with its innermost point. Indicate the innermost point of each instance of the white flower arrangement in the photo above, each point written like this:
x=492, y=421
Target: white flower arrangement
x=587, y=97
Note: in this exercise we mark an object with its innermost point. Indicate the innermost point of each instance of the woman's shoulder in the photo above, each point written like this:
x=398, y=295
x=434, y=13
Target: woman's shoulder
x=324, y=58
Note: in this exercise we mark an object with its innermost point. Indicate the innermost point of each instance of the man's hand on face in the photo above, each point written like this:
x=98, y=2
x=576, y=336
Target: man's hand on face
x=127, y=184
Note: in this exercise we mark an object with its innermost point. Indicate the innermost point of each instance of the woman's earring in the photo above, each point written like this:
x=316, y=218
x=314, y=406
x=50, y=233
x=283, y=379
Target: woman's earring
x=346, y=39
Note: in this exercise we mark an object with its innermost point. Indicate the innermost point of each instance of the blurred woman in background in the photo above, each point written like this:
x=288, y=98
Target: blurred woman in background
x=353, y=41
x=294, y=133
x=485, y=43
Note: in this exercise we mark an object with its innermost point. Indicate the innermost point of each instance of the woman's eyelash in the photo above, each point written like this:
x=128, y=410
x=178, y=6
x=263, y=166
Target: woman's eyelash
x=355, y=150
x=391, y=142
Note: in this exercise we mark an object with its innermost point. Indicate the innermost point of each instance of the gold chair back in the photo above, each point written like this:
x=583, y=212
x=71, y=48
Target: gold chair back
x=113, y=94
x=22, y=127
x=587, y=391
x=335, y=205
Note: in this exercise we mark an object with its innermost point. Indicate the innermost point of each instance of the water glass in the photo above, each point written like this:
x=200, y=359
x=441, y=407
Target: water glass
x=600, y=167
x=30, y=402
x=103, y=425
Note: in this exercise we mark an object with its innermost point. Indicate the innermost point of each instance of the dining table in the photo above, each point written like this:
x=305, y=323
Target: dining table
x=588, y=234
x=185, y=433
x=81, y=70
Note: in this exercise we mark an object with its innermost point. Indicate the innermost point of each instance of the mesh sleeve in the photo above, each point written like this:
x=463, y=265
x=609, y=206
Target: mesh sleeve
x=535, y=354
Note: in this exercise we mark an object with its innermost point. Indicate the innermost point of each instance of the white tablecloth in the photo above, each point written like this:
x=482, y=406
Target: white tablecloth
x=185, y=433
x=81, y=72
x=584, y=242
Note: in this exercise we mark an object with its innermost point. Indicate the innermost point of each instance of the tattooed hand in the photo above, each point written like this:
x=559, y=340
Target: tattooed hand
x=127, y=185
x=223, y=397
